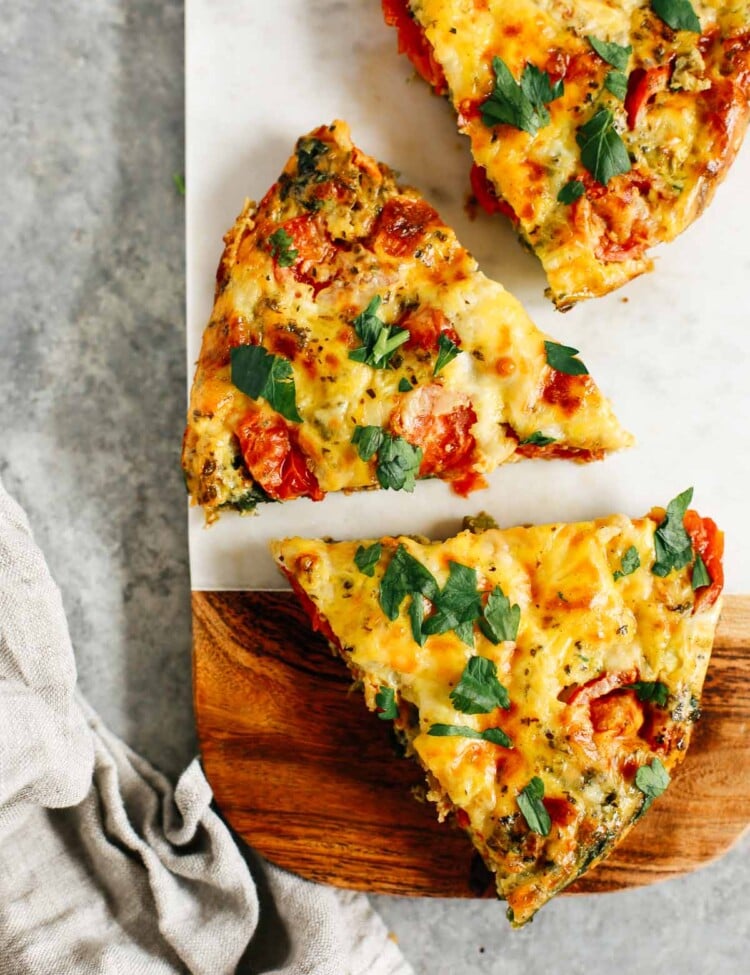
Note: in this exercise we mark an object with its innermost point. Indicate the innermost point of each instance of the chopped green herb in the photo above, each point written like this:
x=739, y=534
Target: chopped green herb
x=250, y=500
x=416, y=617
x=672, y=544
x=614, y=54
x=385, y=701
x=179, y=183
x=404, y=386
x=651, y=691
x=447, y=352
x=532, y=808
x=499, y=619
x=457, y=604
x=309, y=151
x=479, y=523
x=617, y=83
x=700, y=577
x=652, y=780
x=520, y=104
x=404, y=576
x=495, y=735
x=367, y=558
x=379, y=341
x=398, y=461
x=560, y=357
x=573, y=190
x=367, y=440
x=479, y=691
x=537, y=439
x=281, y=248
x=259, y=373
x=631, y=561
x=677, y=14
x=603, y=152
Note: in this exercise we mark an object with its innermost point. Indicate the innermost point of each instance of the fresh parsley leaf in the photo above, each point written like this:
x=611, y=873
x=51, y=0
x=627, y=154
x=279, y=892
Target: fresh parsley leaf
x=652, y=780
x=367, y=558
x=560, y=357
x=367, y=440
x=537, y=439
x=379, y=341
x=603, y=152
x=700, y=576
x=532, y=808
x=457, y=604
x=521, y=105
x=499, y=619
x=179, y=183
x=385, y=701
x=281, y=248
x=677, y=14
x=309, y=151
x=259, y=373
x=573, y=190
x=447, y=352
x=398, y=463
x=617, y=83
x=479, y=691
x=404, y=386
x=630, y=561
x=651, y=690
x=538, y=88
x=614, y=54
x=416, y=617
x=495, y=735
x=672, y=544
x=404, y=575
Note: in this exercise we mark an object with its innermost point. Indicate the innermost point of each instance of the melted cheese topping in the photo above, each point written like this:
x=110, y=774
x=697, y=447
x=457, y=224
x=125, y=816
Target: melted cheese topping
x=681, y=133
x=583, y=635
x=355, y=235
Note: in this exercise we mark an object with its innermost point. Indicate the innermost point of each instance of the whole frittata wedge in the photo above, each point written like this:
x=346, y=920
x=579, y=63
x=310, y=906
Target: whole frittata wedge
x=600, y=129
x=354, y=344
x=546, y=678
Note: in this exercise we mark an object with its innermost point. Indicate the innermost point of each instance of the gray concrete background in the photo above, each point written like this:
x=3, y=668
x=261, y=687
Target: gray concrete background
x=92, y=380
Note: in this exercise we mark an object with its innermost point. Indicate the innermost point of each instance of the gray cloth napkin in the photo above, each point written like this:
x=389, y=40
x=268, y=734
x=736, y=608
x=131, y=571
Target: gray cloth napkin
x=104, y=867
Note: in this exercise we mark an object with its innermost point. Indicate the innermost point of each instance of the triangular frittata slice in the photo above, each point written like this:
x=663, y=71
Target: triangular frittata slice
x=600, y=129
x=546, y=678
x=354, y=343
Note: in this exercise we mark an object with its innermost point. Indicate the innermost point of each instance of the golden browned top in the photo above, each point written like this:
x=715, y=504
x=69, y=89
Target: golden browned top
x=593, y=619
x=681, y=113
x=336, y=236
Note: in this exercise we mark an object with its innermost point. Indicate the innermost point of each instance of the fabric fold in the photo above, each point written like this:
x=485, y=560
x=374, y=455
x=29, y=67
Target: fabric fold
x=104, y=866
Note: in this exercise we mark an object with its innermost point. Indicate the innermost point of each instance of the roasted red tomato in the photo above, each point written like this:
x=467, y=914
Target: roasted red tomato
x=315, y=251
x=642, y=86
x=425, y=326
x=486, y=196
x=319, y=623
x=414, y=44
x=401, y=226
x=272, y=454
x=708, y=542
x=439, y=421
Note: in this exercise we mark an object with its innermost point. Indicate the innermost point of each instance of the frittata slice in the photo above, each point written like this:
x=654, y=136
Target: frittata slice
x=601, y=129
x=354, y=344
x=546, y=678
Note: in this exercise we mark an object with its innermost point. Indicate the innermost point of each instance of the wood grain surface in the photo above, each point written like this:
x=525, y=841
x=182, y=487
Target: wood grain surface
x=309, y=778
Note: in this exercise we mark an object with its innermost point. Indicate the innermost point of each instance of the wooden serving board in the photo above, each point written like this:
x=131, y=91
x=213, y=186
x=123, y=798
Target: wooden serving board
x=309, y=778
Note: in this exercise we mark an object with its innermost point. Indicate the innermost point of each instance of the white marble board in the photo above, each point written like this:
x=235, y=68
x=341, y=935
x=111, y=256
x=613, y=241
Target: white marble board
x=670, y=349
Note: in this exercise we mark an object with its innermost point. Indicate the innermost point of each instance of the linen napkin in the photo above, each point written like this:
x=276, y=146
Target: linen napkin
x=104, y=866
